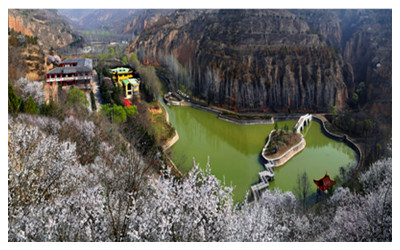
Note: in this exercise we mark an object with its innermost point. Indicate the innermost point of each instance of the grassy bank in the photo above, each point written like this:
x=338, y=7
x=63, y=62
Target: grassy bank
x=164, y=131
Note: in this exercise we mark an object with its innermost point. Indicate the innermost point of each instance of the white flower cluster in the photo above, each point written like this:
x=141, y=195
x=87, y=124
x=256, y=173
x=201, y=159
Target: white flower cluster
x=120, y=197
x=28, y=88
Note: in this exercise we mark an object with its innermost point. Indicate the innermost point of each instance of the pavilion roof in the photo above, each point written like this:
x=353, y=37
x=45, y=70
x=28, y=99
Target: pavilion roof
x=324, y=183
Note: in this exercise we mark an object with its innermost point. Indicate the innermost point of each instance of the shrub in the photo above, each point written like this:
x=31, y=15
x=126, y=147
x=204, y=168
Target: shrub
x=76, y=97
x=131, y=111
x=119, y=114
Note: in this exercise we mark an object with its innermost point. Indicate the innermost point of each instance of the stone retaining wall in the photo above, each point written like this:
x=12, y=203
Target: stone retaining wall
x=279, y=161
x=196, y=106
x=245, y=122
x=331, y=135
x=327, y=132
x=171, y=142
x=344, y=139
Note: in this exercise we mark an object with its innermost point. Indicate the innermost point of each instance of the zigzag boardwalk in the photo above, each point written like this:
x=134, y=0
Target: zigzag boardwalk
x=265, y=177
x=268, y=174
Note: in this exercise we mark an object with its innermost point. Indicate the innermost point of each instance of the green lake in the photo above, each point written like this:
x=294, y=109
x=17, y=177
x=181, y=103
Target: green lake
x=234, y=150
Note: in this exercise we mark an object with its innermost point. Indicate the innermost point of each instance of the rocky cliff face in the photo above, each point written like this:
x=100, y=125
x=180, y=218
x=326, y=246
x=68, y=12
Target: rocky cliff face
x=26, y=61
x=27, y=55
x=364, y=39
x=274, y=59
x=51, y=29
x=144, y=19
x=369, y=50
x=275, y=80
x=250, y=60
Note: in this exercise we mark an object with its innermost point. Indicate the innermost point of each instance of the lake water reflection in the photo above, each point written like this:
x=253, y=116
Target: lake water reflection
x=234, y=150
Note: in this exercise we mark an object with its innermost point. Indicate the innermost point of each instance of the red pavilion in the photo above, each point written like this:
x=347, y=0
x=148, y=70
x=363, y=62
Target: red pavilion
x=324, y=183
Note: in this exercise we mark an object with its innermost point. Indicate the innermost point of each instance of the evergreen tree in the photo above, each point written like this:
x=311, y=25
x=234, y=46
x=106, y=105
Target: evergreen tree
x=30, y=106
x=105, y=110
x=48, y=109
x=115, y=95
x=13, y=100
x=125, y=60
x=286, y=127
x=93, y=101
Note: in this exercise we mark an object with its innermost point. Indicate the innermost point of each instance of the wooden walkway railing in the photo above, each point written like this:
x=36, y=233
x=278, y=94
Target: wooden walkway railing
x=268, y=174
x=265, y=177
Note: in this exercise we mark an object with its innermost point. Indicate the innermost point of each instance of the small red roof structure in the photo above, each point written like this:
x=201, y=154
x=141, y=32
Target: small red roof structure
x=127, y=103
x=324, y=183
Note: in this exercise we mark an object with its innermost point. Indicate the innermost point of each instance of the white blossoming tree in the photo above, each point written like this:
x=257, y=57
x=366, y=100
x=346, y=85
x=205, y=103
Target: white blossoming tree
x=52, y=196
x=196, y=208
x=363, y=216
x=28, y=88
x=273, y=218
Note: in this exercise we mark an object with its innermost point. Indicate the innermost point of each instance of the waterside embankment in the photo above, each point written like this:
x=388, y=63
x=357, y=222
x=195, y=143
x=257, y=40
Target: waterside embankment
x=282, y=159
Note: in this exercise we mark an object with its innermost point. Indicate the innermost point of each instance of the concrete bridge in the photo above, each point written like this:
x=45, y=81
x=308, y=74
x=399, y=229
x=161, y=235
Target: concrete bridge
x=303, y=121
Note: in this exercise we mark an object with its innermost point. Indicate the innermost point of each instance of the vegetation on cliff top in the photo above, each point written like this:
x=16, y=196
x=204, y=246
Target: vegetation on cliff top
x=280, y=142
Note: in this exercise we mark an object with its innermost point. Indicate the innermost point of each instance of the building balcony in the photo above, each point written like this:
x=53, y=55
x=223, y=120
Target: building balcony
x=83, y=78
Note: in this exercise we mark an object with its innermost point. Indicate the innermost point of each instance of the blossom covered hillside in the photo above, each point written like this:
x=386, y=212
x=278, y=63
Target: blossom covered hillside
x=55, y=193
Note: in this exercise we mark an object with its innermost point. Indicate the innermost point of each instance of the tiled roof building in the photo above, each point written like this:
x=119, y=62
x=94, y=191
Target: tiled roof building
x=131, y=86
x=121, y=73
x=126, y=78
x=77, y=72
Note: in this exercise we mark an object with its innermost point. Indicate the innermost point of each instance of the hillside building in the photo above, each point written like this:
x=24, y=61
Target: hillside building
x=121, y=73
x=72, y=72
x=131, y=86
x=77, y=62
x=128, y=79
